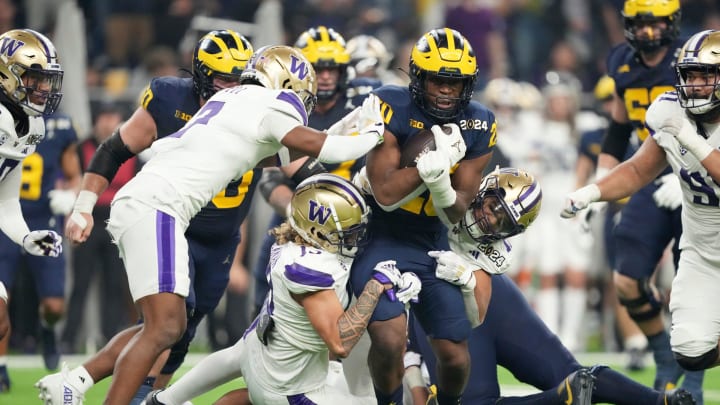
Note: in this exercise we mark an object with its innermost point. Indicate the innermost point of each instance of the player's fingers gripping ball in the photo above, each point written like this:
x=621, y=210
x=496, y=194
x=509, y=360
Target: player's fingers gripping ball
x=449, y=141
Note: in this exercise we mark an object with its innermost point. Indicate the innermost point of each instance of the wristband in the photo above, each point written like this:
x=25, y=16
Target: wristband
x=85, y=202
x=443, y=194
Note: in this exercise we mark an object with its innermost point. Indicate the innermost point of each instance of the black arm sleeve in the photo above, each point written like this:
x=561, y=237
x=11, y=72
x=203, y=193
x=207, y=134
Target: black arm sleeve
x=617, y=139
x=310, y=167
x=109, y=156
x=270, y=180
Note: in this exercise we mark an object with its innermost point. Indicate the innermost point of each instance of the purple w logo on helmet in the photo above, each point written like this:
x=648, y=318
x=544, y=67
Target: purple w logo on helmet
x=9, y=46
x=298, y=67
x=318, y=213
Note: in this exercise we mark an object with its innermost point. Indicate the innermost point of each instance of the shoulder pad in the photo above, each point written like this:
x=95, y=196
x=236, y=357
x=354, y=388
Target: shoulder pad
x=313, y=271
x=663, y=106
x=492, y=258
x=288, y=102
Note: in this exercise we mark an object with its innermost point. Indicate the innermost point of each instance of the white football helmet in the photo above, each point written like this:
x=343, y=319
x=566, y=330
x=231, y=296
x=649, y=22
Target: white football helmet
x=700, y=56
x=508, y=202
x=368, y=54
x=283, y=67
x=328, y=212
x=30, y=73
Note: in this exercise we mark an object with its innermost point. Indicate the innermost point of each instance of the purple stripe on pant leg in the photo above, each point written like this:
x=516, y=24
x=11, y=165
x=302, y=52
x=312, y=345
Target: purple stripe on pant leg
x=299, y=399
x=165, y=231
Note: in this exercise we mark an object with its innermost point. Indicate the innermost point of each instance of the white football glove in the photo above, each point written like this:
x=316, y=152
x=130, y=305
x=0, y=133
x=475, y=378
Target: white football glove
x=687, y=136
x=409, y=287
x=451, y=145
x=579, y=200
x=386, y=272
x=61, y=201
x=434, y=170
x=454, y=269
x=587, y=217
x=669, y=194
x=43, y=243
x=370, y=119
x=347, y=125
x=361, y=181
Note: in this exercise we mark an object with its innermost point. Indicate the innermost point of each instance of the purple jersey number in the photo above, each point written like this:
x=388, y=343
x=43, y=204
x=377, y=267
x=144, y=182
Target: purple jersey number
x=209, y=110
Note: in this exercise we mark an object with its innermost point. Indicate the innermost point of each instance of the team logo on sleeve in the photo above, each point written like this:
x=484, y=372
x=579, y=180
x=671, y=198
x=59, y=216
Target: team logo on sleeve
x=298, y=67
x=318, y=212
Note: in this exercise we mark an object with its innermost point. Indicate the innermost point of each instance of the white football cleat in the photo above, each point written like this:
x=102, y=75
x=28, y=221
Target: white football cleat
x=56, y=390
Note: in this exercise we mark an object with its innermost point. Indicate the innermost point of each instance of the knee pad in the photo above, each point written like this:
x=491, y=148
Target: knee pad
x=698, y=363
x=648, y=295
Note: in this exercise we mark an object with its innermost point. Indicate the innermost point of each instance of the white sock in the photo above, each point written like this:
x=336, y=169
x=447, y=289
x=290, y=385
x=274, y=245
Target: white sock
x=212, y=371
x=547, y=303
x=638, y=341
x=3, y=360
x=574, y=303
x=80, y=379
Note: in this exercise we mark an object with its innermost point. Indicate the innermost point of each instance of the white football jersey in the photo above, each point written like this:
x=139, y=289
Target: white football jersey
x=701, y=195
x=14, y=148
x=227, y=137
x=296, y=358
x=493, y=258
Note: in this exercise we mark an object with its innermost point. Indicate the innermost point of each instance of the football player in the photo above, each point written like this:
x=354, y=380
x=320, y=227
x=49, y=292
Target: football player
x=642, y=70
x=507, y=204
x=150, y=214
x=31, y=84
x=325, y=49
x=165, y=106
x=284, y=354
x=685, y=136
x=407, y=203
x=45, y=205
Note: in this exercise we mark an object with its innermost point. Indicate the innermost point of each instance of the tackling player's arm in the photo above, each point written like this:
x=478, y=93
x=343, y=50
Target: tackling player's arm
x=12, y=222
x=132, y=137
x=340, y=329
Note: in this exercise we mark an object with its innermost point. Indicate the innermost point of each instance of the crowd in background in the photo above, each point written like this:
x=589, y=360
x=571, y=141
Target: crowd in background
x=129, y=42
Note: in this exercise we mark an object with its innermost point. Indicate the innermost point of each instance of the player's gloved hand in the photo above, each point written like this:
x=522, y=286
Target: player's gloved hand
x=61, y=201
x=409, y=287
x=669, y=194
x=454, y=269
x=451, y=144
x=687, y=136
x=579, y=200
x=587, y=216
x=347, y=125
x=43, y=243
x=386, y=272
x=434, y=170
x=370, y=119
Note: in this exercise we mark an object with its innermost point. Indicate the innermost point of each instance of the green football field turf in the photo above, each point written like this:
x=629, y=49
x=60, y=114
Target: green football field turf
x=23, y=377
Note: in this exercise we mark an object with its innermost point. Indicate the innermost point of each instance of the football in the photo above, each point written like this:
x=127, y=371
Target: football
x=416, y=145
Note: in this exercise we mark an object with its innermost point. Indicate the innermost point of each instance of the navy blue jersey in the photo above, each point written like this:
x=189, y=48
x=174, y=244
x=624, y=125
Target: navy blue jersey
x=43, y=168
x=404, y=119
x=638, y=85
x=171, y=102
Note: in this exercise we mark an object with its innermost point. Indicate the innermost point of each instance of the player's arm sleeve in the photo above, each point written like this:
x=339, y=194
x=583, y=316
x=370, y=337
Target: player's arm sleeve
x=12, y=222
x=617, y=139
x=108, y=158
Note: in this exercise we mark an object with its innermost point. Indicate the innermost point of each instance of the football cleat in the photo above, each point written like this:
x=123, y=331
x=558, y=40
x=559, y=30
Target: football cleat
x=678, y=397
x=4, y=379
x=56, y=390
x=636, y=361
x=50, y=352
x=576, y=389
x=151, y=398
